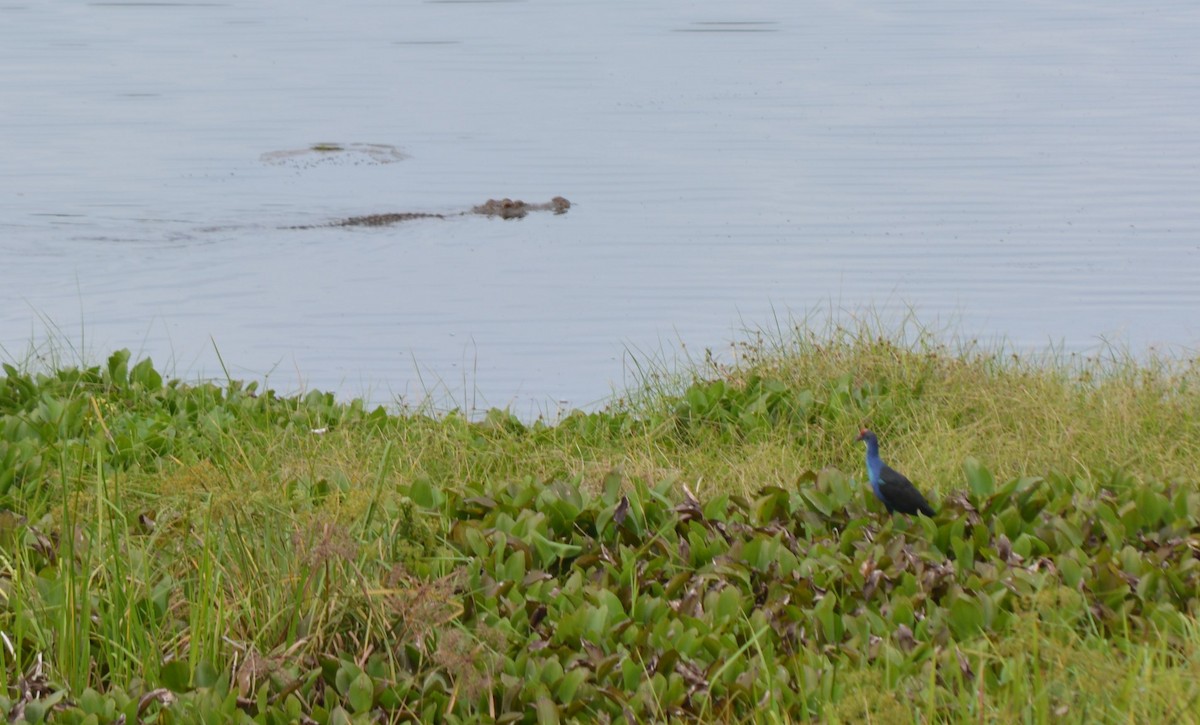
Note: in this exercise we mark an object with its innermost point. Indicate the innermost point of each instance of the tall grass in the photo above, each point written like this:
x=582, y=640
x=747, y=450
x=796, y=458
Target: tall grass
x=936, y=400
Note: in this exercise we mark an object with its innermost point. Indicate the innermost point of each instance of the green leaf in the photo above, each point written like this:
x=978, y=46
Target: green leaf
x=118, y=368
x=176, y=676
x=345, y=676
x=207, y=674
x=145, y=375
x=717, y=507
x=91, y=702
x=362, y=693
x=1070, y=570
x=547, y=711
x=570, y=684
x=549, y=551
x=1069, y=531
x=729, y=604
x=423, y=494
x=817, y=500
x=612, y=487
x=631, y=673
x=43, y=706
x=827, y=615
x=966, y=618
x=902, y=610
x=979, y=479
x=1153, y=507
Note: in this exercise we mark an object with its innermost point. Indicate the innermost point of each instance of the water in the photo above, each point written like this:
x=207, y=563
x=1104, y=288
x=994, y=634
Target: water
x=1030, y=171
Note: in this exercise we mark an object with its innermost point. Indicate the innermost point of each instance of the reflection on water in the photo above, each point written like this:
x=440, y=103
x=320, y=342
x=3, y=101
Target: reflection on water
x=1029, y=171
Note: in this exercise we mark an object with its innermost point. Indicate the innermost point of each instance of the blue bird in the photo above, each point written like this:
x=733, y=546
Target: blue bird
x=891, y=487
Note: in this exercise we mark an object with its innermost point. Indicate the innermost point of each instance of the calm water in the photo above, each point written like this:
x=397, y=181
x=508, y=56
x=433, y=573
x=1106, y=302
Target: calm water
x=1028, y=170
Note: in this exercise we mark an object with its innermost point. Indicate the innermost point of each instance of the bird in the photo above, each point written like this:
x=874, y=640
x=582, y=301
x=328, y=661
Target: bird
x=891, y=487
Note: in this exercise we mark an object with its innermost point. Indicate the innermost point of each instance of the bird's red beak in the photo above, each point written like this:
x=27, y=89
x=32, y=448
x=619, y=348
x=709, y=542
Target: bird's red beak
x=862, y=432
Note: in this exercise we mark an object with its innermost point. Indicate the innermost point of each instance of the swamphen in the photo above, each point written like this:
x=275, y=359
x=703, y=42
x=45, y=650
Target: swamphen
x=891, y=487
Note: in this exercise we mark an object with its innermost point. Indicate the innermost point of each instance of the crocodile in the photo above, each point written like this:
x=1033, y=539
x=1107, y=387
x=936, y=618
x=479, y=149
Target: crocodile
x=503, y=208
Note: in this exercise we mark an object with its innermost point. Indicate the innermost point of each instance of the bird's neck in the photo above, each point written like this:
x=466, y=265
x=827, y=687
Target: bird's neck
x=874, y=462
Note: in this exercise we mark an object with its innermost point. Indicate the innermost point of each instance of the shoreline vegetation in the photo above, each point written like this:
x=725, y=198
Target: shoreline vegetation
x=705, y=548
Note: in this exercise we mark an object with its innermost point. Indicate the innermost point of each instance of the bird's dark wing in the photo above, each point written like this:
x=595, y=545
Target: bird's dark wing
x=901, y=494
x=889, y=476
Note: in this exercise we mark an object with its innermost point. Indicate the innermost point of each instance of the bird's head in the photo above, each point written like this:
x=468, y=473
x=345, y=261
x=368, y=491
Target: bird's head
x=865, y=435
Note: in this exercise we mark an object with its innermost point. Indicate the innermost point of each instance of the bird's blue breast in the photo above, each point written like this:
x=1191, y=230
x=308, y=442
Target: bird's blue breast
x=874, y=472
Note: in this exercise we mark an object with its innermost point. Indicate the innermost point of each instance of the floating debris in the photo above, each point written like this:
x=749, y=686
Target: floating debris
x=326, y=153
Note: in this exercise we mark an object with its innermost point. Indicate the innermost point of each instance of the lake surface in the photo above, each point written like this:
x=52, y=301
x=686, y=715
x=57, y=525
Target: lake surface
x=1026, y=170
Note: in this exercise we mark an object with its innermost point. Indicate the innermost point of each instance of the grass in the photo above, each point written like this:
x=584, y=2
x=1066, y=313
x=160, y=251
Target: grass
x=703, y=549
x=936, y=403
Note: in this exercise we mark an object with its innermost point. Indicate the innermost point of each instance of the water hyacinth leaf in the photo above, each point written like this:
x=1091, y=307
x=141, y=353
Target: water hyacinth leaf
x=1010, y=523
x=841, y=489
x=901, y=611
x=551, y=551
x=979, y=479
x=478, y=506
x=760, y=552
x=772, y=503
x=90, y=701
x=1187, y=506
x=610, y=600
x=818, y=501
x=929, y=526
x=176, y=676
x=594, y=625
x=1149, y=586
x=344, y=676
x=631, y=674
x=806, y=477
x=1114, y=527
x=738, y=505
x=728, y=604
x=474, y=541
x=425, y=494
x=664, y=493
x=717, y=508
x=827, y=616
x=118, y=368
x=550, y=672
x=514, y=566
x=522, y=493
x=966, y=618
x=570, y=683
x=1015, y=488
x=1070, y=532
x=144, y=374
x=611, y=487
x=964, y=551
x=1153, y=507
x=1131, y=560
x=208, y=675
x=676, y=583
x=34, y=712
x=564, y=496
x=635, y=519
x=1028, y=545
x=339, y=716
x=980, y=536
x=1070, y=570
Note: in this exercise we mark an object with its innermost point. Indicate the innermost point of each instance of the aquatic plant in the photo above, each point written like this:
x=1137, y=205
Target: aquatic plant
x=177, y=552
